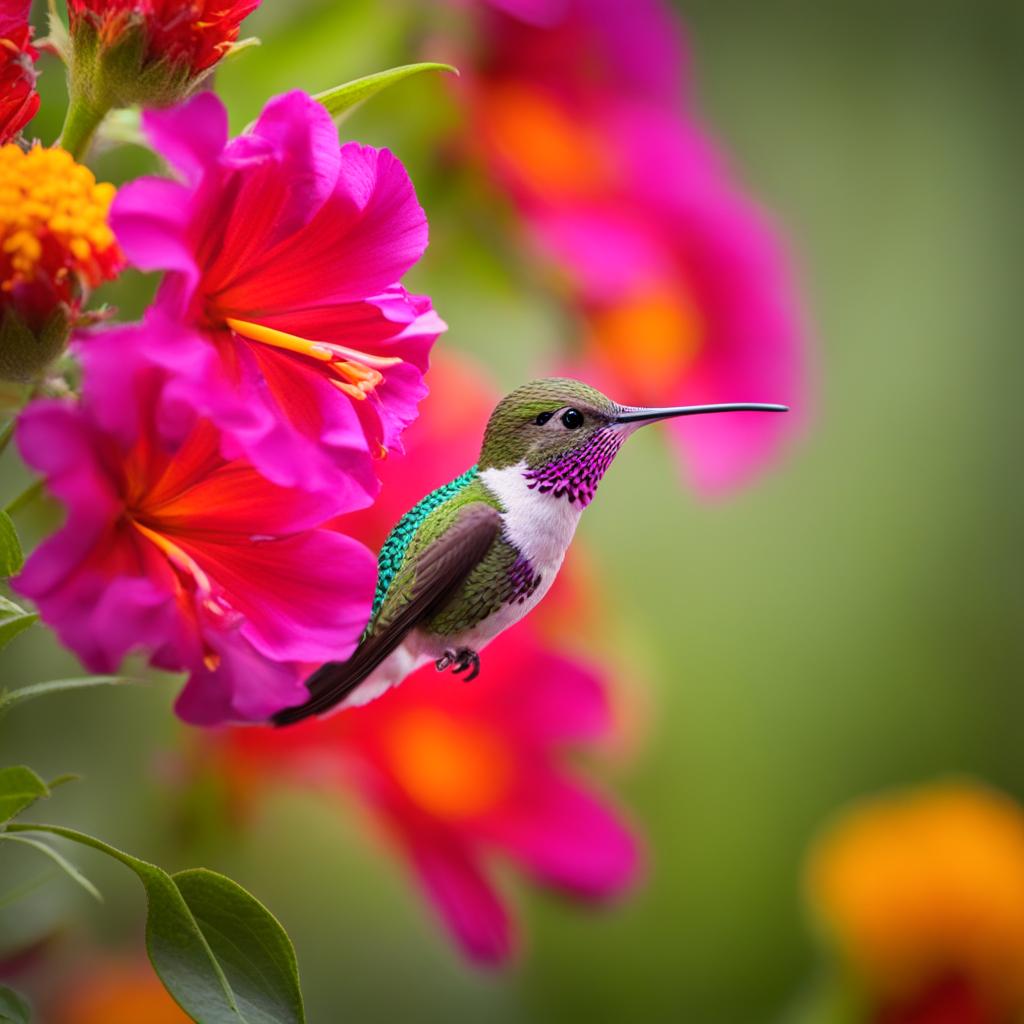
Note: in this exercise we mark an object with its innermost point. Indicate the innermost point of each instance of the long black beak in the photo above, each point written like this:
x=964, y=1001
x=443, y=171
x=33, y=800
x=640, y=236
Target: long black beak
x=629, y=414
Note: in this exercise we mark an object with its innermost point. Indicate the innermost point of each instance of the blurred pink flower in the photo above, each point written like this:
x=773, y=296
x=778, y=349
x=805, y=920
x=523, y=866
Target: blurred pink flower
x=196, y=560
x=460, y=774
x=683, y=289
x=280, y=316
x=19, y=100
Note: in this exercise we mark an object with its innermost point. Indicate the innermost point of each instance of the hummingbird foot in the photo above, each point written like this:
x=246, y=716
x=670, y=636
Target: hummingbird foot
x=459, y=661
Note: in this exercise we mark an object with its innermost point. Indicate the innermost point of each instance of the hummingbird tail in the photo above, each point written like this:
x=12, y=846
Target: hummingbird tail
x=329, y=685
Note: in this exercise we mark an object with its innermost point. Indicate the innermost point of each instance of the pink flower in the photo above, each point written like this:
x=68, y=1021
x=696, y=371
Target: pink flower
x=462, y=775
x=280, y=315
x=682, y=288
x=174, y=550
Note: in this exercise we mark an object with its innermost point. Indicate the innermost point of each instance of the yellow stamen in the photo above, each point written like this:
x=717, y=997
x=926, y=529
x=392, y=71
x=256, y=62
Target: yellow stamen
x=359, y=371
x=280, y=339
x=53, y=219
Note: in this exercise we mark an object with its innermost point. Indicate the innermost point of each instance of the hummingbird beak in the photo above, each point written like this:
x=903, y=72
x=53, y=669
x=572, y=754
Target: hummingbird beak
x=631, y=414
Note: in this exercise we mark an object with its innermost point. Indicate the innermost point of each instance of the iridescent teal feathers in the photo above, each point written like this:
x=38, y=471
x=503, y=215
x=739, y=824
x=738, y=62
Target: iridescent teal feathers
x=397, y=544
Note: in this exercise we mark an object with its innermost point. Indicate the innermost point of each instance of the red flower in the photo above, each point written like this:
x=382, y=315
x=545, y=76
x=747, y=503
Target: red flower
x=193, y=33
x=19, y=100
x=460, y=776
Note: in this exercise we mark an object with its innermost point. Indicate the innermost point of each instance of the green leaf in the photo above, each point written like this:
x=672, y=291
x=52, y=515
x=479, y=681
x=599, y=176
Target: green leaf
x=20, y=787
x=13, y=620
x=58, y=685
x=252, y=947
x=12, y=558
x=59, y=859
x=218, y=951
x=14, y=1009
x=343, y=99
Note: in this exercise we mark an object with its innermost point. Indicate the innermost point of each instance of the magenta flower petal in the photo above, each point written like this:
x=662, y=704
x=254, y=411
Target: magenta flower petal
x=461, y=893
x=566, y=838
x=243, y=687
x=295, y=142
x=72, y=575
x=572, y=706
x=150, y=218
x=191, y=136
x=368, y=232
x=304, y=597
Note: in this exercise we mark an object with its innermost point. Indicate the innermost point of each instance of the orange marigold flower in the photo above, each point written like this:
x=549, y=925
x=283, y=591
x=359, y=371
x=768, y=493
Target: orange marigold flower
x=922, y=894
x=55, y=244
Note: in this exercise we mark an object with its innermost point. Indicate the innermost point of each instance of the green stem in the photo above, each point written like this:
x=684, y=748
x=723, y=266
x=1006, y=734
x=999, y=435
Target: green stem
x=80, y=124
x=27, y=496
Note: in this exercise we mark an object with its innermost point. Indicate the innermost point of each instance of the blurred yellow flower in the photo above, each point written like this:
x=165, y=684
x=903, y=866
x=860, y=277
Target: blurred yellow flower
x=922, y=893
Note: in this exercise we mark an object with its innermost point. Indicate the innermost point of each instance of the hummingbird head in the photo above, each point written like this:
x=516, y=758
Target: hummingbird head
x=565, y=434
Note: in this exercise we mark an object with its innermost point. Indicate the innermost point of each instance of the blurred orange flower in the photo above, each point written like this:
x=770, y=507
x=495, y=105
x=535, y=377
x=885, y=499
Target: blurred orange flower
x=117, y=990
x=922, y=895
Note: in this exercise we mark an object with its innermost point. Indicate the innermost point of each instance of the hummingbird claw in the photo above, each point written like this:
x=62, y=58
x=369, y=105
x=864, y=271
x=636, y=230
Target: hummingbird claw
x=460, y=661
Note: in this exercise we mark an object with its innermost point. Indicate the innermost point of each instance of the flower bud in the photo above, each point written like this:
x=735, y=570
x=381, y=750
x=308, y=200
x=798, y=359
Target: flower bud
x=55, y=244
x=18, y=97
x=147, y=52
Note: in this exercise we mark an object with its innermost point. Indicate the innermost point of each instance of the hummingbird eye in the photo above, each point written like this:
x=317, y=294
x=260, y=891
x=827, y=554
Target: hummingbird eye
x=572, y=418
x=543, y=418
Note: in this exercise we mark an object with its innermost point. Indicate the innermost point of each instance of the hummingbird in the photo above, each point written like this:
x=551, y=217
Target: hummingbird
x=476, y=555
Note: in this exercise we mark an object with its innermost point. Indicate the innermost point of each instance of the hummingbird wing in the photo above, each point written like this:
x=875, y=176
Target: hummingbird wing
x=422, y=586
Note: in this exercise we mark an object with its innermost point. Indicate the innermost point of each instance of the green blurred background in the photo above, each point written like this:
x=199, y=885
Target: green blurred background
x=848, y=623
